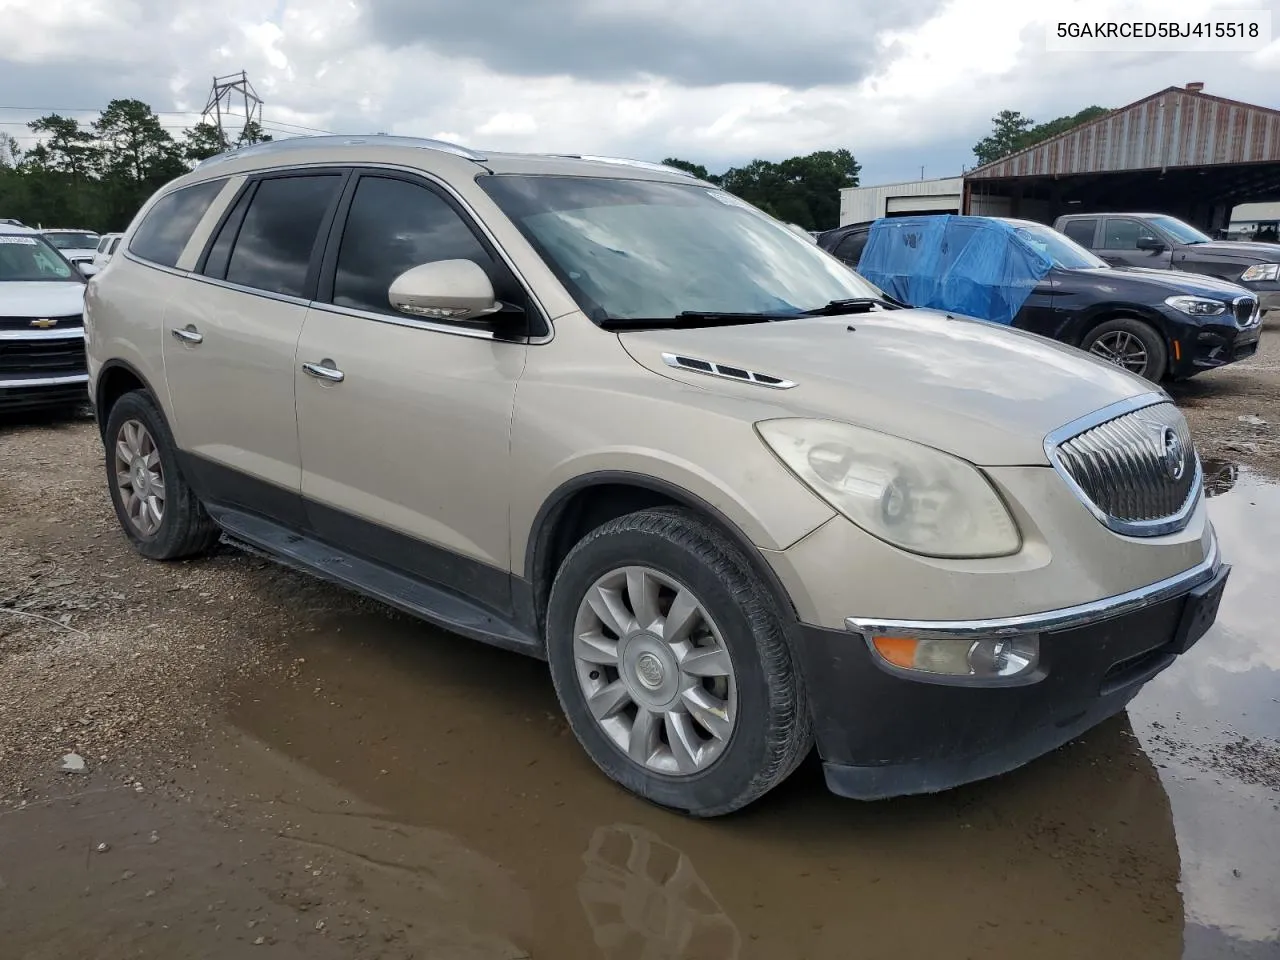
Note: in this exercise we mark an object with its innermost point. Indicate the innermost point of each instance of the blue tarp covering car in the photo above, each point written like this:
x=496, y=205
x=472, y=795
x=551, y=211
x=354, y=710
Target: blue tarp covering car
x=975, y=266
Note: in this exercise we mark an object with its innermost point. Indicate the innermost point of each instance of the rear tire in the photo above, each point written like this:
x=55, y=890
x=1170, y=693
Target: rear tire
x=157, y=508
x=1132, y=344
x=727, y=718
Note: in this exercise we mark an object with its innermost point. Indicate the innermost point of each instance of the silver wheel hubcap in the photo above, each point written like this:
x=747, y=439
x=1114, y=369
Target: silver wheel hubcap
x=140, y=477
x=655, y=671
x=1121, y=348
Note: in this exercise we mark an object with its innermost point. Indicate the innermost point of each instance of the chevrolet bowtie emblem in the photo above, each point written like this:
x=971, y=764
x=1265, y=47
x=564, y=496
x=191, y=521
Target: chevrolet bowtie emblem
x=45, y=323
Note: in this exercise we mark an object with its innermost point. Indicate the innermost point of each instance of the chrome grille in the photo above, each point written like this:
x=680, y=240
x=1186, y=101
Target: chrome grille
x=1137, y=471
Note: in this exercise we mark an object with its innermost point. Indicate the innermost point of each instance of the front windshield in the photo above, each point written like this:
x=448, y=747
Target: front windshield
x=637, y=249
x=30, y=258
x=1182, y=232
x=1061, y=249
x=73, y=241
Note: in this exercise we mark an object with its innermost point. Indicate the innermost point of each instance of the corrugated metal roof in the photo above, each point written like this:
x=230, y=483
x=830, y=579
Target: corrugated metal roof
x=1173, y=128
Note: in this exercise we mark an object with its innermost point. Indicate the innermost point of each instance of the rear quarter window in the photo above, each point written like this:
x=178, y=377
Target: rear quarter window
x=168, y=225
x=1081, y=231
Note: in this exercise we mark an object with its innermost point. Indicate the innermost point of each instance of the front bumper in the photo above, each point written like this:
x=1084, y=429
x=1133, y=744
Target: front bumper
x=1213, y=345
x=881, y=733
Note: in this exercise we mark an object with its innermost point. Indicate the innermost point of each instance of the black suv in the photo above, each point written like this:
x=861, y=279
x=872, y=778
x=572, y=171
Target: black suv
x=1161, y=242
x=1156, y=323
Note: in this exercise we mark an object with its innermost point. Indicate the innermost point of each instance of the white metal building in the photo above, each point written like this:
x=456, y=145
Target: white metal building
x=858, y=204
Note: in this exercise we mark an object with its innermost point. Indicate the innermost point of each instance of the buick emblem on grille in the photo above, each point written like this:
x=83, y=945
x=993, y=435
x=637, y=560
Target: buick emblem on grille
x=44, y=323
x=1175, y=456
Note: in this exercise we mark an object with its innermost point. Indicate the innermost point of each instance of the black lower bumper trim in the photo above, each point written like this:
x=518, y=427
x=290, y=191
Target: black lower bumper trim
x=882, y=735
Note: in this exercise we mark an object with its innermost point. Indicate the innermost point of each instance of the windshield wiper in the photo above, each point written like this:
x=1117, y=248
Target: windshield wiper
x=854, y=305
x=691, y=318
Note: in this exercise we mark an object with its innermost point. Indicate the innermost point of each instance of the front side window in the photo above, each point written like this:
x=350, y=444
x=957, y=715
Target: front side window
x=1062, y=250
x=1124, y=234
x=24, y=257
x=273, y=249
x=645, y=250
x=394, y=225
x=164, y=231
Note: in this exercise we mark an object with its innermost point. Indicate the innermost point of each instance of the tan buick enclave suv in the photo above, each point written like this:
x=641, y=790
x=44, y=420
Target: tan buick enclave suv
x=606, y=414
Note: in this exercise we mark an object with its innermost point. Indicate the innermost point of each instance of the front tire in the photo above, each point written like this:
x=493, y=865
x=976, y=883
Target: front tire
x=157, y=508
x=671, y=663
x=1132, y=344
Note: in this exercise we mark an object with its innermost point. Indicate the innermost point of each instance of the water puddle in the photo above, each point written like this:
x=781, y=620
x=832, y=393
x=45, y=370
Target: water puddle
x=412, y=794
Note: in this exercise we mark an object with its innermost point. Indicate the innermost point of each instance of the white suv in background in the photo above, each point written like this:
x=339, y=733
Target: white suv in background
x=106, y=247
x=611, y=416
x=78, y=246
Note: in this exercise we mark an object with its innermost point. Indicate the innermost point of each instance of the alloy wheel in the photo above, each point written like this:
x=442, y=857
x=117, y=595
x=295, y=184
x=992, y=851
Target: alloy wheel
x=654, y=671
x=1122, y=348
x=140, y=477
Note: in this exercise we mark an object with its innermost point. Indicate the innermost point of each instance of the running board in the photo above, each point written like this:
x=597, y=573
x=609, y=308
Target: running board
x=439, y=607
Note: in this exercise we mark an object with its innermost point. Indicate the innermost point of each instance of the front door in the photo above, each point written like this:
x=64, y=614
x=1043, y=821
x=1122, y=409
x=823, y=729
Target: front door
x=1040, y=313
x=405, y=424
x=1127, y=242
x=229, y=348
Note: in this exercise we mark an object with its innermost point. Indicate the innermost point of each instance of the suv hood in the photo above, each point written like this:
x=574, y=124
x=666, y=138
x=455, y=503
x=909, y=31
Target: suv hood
x=986, y=393
x=41, y=298
x=1242, y=250
x=1176, y=281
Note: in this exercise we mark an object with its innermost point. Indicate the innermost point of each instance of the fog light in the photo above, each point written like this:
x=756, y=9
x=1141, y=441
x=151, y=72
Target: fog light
x=985, y=659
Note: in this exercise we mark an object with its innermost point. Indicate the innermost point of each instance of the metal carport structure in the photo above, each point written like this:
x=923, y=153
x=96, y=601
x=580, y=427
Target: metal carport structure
x=1179, y=151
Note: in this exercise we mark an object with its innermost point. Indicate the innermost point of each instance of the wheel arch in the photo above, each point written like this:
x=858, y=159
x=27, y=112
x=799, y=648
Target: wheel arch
x=585, y=502
x=114, y=380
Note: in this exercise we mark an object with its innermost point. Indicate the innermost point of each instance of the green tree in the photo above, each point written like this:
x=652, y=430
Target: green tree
x=252, y=133
x=801, y=190
x=203, y=141
x=10, y=151
x=135, y=148
x=1011, y=131
x=697, y=169
x=1008, y=129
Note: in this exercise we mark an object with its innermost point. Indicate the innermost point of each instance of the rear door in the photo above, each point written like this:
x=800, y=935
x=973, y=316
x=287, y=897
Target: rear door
x=229, y=346
x=1121, y=237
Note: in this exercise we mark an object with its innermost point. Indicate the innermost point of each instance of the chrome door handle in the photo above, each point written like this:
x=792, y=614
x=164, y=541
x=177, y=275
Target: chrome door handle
x=188, y=334
x=324, y=370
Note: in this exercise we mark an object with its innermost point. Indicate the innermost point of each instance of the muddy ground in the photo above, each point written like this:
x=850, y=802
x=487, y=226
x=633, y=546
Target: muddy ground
x=273, y=765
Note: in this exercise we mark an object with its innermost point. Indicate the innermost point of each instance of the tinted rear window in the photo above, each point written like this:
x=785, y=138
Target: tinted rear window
x=273, y=248
x=1081, y=231
x=168, y=226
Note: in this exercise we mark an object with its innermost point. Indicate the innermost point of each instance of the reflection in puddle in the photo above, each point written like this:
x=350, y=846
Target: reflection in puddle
x=1213, y=723
x=644, y=901
x=1219, y=476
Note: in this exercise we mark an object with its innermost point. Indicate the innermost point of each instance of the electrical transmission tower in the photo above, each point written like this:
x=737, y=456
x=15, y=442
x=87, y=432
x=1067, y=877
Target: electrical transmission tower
x=229, y=90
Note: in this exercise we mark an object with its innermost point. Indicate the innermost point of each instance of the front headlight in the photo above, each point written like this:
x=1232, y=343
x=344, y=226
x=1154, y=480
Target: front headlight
x=913, y=496
x=1261, y=271
x=1197, y=306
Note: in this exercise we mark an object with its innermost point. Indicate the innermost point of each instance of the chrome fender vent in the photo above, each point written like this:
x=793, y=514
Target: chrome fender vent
x=713, y=369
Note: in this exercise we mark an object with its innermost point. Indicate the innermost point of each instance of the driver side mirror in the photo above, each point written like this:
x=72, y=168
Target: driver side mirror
x=1150, y=243
x=444, y=290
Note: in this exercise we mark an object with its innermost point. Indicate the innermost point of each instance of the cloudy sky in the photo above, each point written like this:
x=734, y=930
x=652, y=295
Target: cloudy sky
x=901, y=83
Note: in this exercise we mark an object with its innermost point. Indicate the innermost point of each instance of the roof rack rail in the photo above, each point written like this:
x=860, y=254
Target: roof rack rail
x=626, y=162
x=337, y=139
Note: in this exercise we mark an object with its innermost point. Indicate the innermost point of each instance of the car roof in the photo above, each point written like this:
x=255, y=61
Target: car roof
x=13, y=228
x=437, y=156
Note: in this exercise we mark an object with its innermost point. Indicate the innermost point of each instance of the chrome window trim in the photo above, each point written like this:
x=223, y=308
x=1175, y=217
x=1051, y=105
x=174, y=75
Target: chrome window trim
x=60, y=381
x=1129, y=528
x=254, y=291
x=1066, y=618
x=56, y=333
x=130, y=255
x=414, y=323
